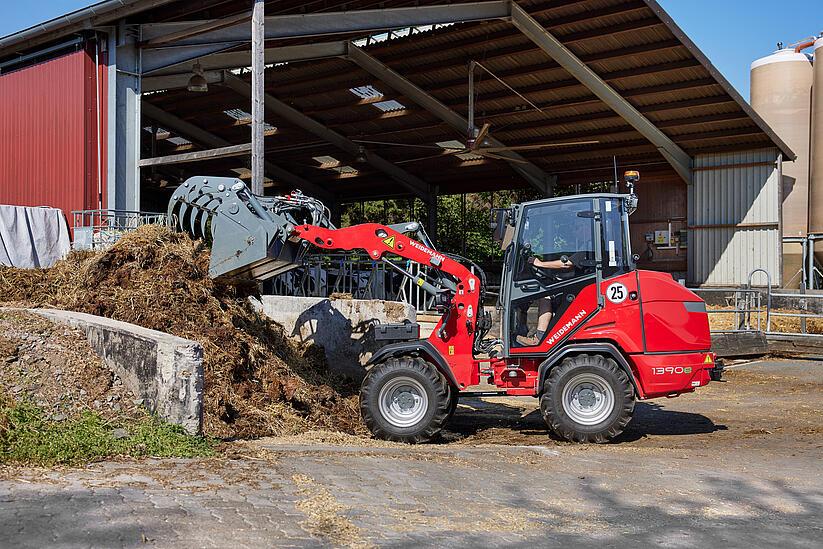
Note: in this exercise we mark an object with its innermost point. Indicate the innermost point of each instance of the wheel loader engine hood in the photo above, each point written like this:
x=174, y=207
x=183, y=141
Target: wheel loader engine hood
x=674, y=317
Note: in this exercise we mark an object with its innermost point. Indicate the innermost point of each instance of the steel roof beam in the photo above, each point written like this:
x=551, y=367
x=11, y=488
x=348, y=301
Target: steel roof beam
x=203, y=137
x=555, y=49
x=534, y=175
x=534, y=88
x=321, y=24
x=177, y=81
x=278, y=108
x=241, y=59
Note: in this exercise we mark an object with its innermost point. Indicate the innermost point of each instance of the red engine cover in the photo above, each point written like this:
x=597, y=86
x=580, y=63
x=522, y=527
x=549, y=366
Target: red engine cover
x=674, y=317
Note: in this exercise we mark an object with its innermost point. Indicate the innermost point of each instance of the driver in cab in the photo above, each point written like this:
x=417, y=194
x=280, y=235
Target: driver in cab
x=544, y=305
x=569, y=237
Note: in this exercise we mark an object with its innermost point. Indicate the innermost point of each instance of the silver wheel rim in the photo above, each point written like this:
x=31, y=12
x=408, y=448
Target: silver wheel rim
x=403, y=401
x=588, y=399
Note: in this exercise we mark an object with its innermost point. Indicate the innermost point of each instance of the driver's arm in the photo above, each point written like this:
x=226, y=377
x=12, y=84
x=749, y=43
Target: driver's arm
x=553, y=264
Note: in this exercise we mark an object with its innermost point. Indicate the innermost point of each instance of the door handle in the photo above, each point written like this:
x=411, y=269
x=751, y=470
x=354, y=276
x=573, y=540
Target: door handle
x=529, y=286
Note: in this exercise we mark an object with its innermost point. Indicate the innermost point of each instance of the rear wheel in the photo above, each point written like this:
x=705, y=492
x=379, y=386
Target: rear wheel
x=587, y=398
x=405, y=399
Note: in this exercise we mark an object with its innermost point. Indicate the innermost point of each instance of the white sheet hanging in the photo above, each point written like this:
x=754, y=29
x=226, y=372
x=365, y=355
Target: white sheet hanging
x=32, y=237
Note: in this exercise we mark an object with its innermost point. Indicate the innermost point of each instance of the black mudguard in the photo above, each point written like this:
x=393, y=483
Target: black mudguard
x=420, y=347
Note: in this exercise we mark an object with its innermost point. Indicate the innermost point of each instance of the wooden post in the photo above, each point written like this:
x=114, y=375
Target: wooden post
x=258, y=113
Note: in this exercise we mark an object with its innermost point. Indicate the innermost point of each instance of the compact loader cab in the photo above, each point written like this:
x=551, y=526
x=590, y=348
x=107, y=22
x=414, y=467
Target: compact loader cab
x=582, y=329
x=559, y=246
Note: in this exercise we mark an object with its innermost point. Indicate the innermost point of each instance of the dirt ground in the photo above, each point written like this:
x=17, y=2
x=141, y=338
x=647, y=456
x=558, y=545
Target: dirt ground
x=762, y=405
x=736, y=464
x=773, y=404
x=54, y=367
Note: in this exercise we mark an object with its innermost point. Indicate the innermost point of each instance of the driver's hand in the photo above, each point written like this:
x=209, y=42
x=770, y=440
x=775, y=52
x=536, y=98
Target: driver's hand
x=555, y=264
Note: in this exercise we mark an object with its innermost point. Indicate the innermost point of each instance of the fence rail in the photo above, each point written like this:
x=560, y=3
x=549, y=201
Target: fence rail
x=356, y=275
x=748, y=300
x=98, y=229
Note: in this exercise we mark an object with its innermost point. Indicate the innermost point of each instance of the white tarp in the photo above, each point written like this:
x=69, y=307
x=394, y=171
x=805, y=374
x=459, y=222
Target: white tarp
x=32, y=237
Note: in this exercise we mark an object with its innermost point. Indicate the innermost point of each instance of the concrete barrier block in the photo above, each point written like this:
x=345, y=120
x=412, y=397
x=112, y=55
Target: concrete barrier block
x=164, y=370
x=343, y=327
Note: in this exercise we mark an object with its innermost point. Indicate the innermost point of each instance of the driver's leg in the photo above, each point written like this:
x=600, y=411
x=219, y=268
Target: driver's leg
x=544, y=316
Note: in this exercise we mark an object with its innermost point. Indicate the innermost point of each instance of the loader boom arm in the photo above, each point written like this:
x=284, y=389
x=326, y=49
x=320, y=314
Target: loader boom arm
x=259, y=237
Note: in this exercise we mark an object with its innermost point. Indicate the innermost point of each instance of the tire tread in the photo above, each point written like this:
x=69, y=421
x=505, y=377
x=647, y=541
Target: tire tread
x=439, y=386
x=555, y=421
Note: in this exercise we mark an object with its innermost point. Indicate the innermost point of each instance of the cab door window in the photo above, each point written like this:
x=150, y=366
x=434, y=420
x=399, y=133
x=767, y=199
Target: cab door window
x=616, y=251
x=555, y=260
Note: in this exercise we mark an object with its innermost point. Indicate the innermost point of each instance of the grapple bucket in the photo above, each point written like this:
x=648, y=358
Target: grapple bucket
x=250, y=236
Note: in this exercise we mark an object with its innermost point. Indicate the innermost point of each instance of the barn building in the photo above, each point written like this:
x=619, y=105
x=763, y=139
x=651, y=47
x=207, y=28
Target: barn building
x=111, y=107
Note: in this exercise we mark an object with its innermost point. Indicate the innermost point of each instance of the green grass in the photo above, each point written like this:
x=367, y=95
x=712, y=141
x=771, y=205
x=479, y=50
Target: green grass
x=28, y=436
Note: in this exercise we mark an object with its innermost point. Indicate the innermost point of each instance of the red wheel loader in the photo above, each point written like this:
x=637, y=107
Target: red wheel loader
x=582, y=329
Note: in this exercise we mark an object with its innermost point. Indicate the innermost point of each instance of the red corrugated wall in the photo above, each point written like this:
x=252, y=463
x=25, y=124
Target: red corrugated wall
x=49, y=134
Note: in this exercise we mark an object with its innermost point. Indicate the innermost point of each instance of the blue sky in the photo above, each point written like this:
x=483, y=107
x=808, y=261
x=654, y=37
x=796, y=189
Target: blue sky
x=732, y=33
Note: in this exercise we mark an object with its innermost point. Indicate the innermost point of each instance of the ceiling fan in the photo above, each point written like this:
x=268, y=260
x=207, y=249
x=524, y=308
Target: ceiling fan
x=477, y=141
x=477, y=144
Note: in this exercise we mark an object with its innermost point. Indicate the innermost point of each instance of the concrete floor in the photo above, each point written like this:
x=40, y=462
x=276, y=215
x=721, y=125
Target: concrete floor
x=738, y=464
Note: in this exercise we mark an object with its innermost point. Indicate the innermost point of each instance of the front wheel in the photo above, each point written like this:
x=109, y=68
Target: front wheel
x=587, y=398
x=404, y=399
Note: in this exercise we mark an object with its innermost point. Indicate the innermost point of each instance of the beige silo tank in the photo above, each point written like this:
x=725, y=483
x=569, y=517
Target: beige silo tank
x=816, y=155
x=781, y=86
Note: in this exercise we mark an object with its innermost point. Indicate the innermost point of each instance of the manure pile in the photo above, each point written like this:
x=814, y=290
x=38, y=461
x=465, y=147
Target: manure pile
x=258, y=382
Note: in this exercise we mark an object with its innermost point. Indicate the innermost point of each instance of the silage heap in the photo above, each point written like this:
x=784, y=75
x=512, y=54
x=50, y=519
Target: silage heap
x=258, y=382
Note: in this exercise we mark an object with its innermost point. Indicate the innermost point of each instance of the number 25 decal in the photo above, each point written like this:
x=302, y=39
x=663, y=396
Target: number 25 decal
x=616, y=293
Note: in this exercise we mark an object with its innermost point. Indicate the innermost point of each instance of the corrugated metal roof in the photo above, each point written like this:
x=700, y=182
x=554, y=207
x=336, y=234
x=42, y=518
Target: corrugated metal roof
x=632, y=44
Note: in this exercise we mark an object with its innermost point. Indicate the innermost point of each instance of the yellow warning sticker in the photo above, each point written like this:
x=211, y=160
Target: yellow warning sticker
x=420, y=282
x=451, y=350
x=708, y=359
x=389, y=241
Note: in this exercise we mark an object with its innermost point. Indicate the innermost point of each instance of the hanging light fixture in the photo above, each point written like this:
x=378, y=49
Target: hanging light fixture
x=198, y=83
x=361, y=155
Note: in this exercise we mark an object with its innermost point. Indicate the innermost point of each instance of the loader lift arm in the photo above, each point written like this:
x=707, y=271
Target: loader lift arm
x=458, y=294
x=259, y=237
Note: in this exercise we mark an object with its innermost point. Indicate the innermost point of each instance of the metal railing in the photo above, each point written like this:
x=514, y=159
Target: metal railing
x=97, y=229
x=354, y=274
x=747, y=300
x=809, y=273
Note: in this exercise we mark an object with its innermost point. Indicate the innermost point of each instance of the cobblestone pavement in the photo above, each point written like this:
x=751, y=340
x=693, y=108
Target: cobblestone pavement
x=678, y=480
x=310, y=495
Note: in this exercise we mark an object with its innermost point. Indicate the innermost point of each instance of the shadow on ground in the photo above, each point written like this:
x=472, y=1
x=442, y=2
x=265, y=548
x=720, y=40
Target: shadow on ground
x=79, y=518
x=509, y=423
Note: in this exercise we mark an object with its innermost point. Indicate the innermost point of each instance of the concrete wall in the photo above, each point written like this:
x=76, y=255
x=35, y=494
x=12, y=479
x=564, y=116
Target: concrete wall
x=343, y=327
x=164, y=370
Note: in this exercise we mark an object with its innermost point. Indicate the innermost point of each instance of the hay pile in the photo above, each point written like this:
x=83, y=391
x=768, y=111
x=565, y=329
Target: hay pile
x=258, y=382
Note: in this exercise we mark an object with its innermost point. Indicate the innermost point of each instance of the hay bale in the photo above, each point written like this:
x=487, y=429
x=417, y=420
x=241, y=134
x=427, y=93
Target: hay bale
x=257, y=381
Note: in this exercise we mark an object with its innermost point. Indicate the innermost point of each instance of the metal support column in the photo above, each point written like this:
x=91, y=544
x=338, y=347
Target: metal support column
x=127, y=120
x=111, y=119
x=258, y=86
x=431, y=221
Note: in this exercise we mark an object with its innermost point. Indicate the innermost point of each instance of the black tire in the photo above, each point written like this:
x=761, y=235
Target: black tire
x=574, y=372
x=417, y=376
x=454, y=399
